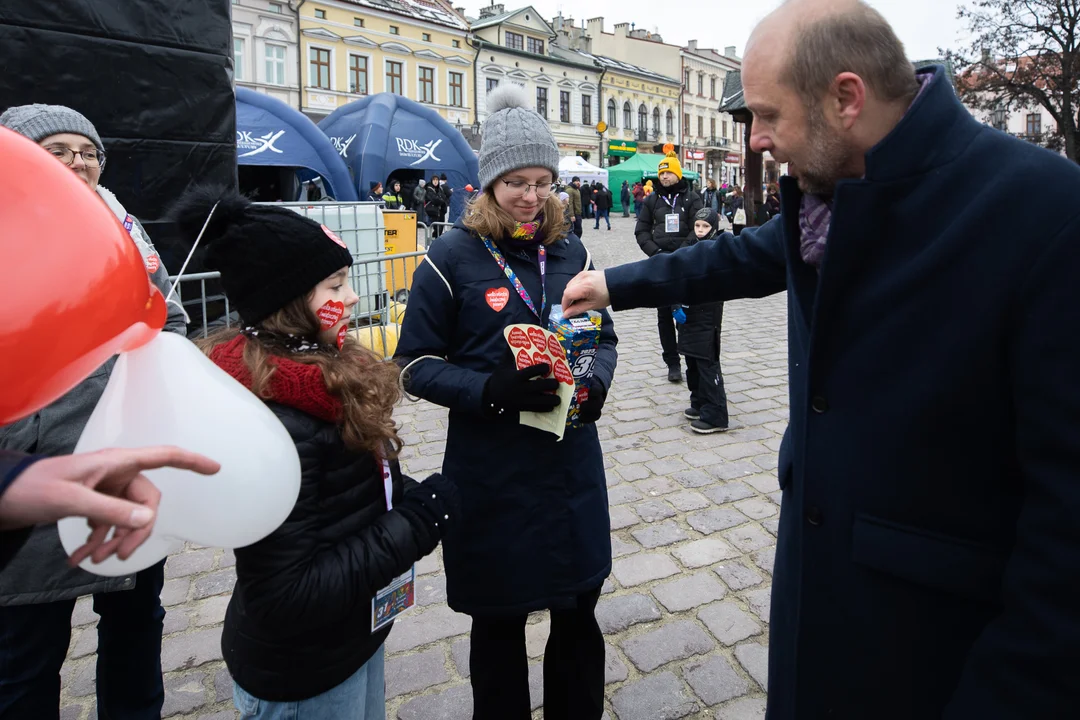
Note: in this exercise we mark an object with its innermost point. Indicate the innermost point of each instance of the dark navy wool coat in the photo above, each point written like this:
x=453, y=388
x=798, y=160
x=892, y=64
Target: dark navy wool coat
x=928, y=563
x=535, y=532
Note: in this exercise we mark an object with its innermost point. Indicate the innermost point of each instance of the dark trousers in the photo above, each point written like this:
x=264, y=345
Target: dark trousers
x=34, y=642
x=602, y=215
x=669, y=343
x=637, y=207
x=626, y=208
x=573, y=665
x=577, y=227
x=706, y=385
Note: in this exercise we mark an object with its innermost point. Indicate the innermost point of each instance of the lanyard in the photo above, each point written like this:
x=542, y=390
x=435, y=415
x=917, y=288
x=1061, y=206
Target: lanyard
x=388, y=485
x=513, y=278
x=671, y=202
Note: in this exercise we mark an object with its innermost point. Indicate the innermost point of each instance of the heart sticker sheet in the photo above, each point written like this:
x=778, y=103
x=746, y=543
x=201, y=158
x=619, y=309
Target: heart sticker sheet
x=533, y=345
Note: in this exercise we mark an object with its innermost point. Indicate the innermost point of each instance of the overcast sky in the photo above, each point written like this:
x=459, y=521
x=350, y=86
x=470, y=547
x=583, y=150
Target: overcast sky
x=923, y=25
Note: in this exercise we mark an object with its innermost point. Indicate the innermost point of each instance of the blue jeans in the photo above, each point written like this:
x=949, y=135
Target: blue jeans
x=362, y=696
x=602, y=215
x=34, y=641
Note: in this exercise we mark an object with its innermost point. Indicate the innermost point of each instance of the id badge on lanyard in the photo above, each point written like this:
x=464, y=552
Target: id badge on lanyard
x=671, y=220
x=400, y=594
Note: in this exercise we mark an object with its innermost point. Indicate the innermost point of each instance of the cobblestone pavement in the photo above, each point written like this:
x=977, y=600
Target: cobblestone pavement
x=693, y=519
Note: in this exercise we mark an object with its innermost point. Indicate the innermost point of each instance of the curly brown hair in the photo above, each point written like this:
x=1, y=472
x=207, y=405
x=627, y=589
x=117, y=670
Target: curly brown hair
x=366, y=385
x=484, y=217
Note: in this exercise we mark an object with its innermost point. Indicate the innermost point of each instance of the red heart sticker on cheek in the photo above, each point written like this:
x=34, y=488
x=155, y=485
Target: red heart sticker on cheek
x=330, y=314
x=341, y=336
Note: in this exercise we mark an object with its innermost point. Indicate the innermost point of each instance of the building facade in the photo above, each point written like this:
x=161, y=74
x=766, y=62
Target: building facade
x=418, y=49
x=265, y=49
x=711, y=143
x=516, y=47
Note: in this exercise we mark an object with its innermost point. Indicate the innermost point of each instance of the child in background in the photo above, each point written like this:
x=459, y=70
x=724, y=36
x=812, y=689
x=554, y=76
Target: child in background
x=300, y=636
x=699, y=343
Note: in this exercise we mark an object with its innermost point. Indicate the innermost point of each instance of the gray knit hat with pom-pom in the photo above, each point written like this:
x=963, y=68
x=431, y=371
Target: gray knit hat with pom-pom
x=514, y=136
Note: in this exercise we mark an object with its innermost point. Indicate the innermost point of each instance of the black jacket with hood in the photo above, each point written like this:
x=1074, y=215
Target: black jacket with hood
x=699, y=336
x=651, y=232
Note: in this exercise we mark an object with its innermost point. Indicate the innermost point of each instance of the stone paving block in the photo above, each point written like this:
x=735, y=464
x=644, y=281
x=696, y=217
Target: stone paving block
x=459, y=653
x=189, y=563
x=430, y=590
x=689, y=592
x=673, y=448
x=657, y=486
x=671, y=641
x=643, y=568
x=614, y=668
x=728, y=623
x=79, y=678
x=413, y=673
x=758, y=600
x=764, y=559
x=174, y=592
x=729, y=492
x=656, y=697
x=737, y=576
x=734, y=470
x=635, y=414
x=749, y=538
x=653, y=510
x=692, y=478
x=212, y=610
x=536, y=636
x=688, y=500
x=763, y=483
x=184, y=652
x=223, y=715
x=744, y=709
x=757, y=508
x=654, y=536
x=86, y=644
x=452, y=704
x=668, y=465
x=702, y=458
x=715, y=519
x=536, y=685
x=622, y=494
x=772, y=525
x=622, y=517
x=608, y=587
x=631, y=428
x=215, y=583
x=71, y=712
x=632, y=472
x=227, y=559
x=176, y=620
x=183, y=694
x=620, y=548
x=714, y=681
x=777, y=497
x=416, y=629
x=84, y=612
x=704, y=552
x=755, y=660
x=223, y=685
x=618, y=613
x=633, y=457
x=669, y=434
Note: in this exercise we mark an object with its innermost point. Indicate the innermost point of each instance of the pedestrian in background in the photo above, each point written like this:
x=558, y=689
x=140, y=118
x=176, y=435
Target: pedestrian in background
x=574, y=191
x=624, y=198
x=447, y=191
x=38, y=589
x=535, y=531
x=710, y=197
x=392, y=198
x=300, y=637
x=419, y=195
x=376, y=194
x=603, y=200
x=435, y=205
x=665, y=224
x=639, y=197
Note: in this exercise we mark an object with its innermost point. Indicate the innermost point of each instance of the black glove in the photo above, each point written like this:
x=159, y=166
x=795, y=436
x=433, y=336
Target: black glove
x=434, y=507
x=511, y=390
x=590, y=409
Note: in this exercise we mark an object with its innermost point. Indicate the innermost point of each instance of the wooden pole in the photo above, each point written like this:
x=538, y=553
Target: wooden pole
x=752, y=191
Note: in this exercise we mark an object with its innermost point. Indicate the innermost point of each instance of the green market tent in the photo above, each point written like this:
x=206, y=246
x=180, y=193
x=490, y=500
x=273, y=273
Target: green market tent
x=638, y=168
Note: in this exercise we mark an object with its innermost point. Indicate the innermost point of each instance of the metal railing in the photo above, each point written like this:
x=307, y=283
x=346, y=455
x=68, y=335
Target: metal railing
x=382, y=283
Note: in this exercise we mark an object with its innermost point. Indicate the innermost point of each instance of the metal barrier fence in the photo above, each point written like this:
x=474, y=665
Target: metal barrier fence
x=441, y=226
x=382, y=283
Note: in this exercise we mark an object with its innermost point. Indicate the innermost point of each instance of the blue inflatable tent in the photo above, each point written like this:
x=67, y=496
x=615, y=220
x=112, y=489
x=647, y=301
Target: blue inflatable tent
x=269, y=133
x=388, y=135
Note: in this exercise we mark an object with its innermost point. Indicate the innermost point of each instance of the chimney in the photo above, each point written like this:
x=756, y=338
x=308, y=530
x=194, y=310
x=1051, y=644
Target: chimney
x=729, y=51
x=492, y=10
x=622, y=29
x=691, y=45
x=594, y=26
x=460, y=11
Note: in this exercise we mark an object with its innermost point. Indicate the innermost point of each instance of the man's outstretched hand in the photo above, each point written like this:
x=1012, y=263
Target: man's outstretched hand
x=106, y=487
x=587, y=291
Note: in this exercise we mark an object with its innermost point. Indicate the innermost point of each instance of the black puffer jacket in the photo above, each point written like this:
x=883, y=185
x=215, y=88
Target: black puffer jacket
x=299, y=620
x=699, y=336
x=651, y=231
x=434, y=202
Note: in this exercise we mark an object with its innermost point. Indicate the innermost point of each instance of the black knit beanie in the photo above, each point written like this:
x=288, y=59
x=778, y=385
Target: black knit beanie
x=268, y=256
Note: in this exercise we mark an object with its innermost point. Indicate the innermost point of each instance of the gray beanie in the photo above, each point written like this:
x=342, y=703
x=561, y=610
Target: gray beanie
x=38, y=122
x=514, y=136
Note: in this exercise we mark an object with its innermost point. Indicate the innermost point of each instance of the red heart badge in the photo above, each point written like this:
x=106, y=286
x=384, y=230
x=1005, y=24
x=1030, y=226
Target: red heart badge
x=330, y=314
x=539, y=339
x=518, y=339
x=153, y=262
x=330, y=234
x=555, y=347
x=497, y=298
x=523, y=360
x=562, y=372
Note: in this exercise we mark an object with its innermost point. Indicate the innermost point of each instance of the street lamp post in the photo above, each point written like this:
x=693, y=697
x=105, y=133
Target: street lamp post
x=1000, y=117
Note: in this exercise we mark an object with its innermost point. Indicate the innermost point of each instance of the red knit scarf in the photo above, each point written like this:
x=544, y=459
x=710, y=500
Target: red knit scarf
x=297, y=385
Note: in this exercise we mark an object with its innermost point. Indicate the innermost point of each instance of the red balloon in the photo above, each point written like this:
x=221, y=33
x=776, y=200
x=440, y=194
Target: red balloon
x=75, y=289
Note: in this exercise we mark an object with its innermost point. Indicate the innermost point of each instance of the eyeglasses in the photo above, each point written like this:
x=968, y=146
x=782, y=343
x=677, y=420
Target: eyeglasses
x=518, y=188
x=91, y=157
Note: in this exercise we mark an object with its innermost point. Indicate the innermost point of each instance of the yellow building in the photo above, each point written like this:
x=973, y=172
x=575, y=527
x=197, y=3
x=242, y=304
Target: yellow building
x=415, y=48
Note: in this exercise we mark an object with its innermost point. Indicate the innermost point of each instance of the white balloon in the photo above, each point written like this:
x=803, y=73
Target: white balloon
x=168, y=393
